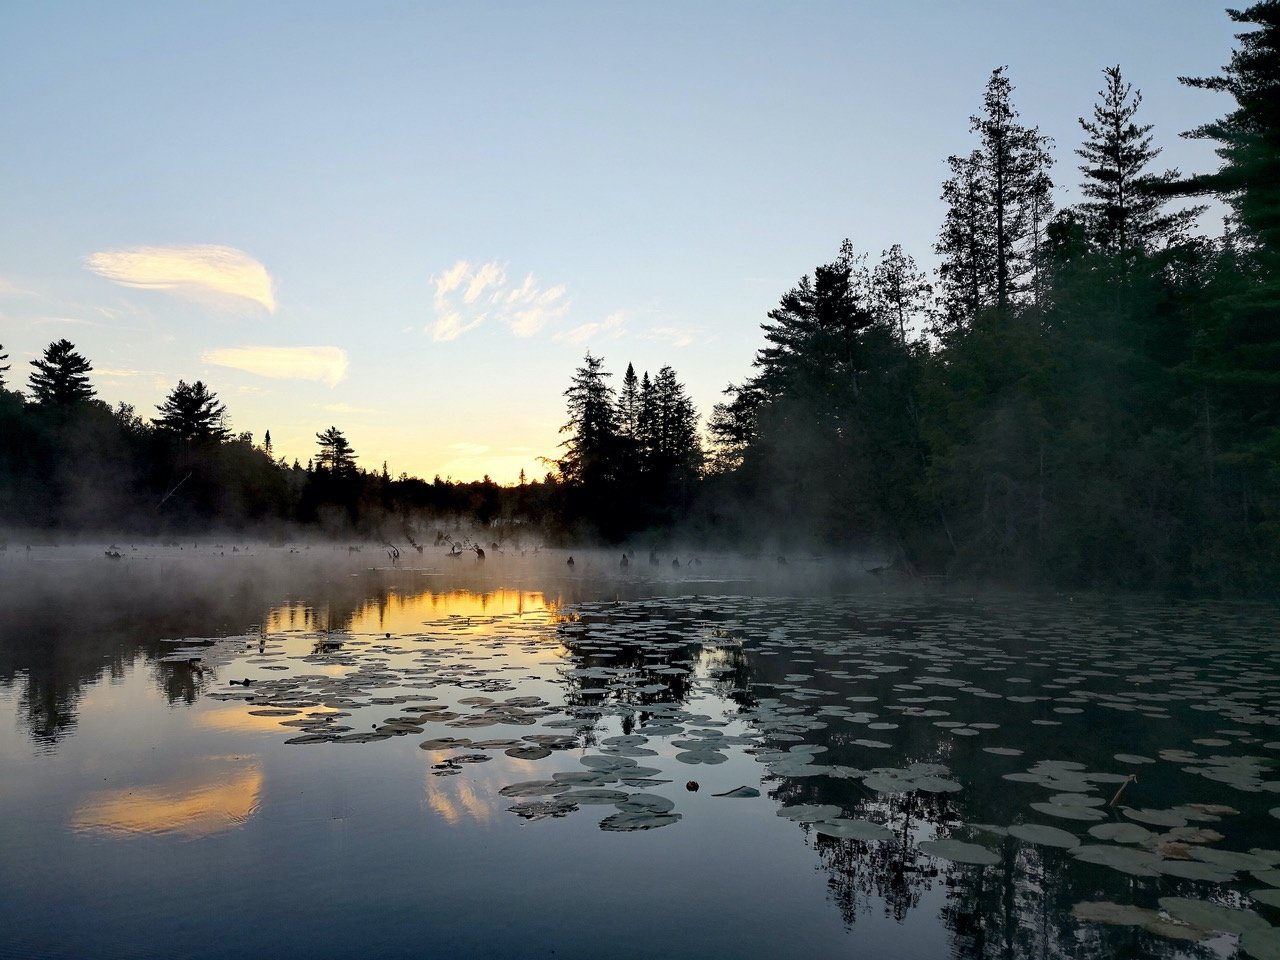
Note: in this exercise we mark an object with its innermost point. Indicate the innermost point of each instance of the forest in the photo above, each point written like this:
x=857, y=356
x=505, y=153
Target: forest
x=1085, y=396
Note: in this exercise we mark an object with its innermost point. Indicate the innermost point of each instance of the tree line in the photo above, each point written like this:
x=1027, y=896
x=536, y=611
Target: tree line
x=1083, y=396
x=70, y=462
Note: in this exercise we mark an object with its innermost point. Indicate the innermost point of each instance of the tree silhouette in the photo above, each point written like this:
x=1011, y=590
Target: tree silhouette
x=3, y=366
x=336, y=453
x=61, y=376
x=192, y=412
x=592, y=428
x=998, y=207
x=1124, y=210
x=1248, y=136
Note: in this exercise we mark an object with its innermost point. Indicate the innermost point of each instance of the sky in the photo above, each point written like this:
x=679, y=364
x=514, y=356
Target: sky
x=412, y=220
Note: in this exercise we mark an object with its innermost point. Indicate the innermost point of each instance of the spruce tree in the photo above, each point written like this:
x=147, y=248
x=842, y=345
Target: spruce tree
x=61, y=376
x=3, y=366
x=192, y=412
x=1124, y=212
x=592, y=429
x=1248, y=136
x=999, y=201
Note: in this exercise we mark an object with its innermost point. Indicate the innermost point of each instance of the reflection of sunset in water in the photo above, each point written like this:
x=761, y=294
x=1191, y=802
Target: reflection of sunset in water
x=462, y=799
x=400, y=613
x=222, y=796
x=240, y=718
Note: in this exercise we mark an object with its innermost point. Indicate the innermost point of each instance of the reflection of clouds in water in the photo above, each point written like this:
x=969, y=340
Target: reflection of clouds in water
x=466, y=798
x=221, y=796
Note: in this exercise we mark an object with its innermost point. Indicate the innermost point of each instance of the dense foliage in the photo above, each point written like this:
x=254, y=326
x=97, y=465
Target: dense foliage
x=1096, y=397
x=1085, y=396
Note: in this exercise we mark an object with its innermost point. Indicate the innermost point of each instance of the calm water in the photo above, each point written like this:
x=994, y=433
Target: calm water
x=522, y=759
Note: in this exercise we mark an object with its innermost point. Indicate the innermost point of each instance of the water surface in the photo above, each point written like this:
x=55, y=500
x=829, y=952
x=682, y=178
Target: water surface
x=521, y=758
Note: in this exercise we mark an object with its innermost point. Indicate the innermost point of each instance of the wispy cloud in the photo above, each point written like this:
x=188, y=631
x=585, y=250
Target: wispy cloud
x=325, y=364
x=611, y=327
x=467, y=295
x=10, y=289
x=676, y=336
x=194, y=270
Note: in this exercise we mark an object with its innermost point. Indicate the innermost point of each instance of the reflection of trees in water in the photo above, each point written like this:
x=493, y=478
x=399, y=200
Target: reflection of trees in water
x=639, y=681
x=60, y=634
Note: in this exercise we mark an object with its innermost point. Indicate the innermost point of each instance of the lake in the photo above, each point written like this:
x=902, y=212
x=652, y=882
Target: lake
x=239, y=751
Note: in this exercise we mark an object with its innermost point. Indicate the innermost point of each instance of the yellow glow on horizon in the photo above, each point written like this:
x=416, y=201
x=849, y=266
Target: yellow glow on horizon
x=197, y=805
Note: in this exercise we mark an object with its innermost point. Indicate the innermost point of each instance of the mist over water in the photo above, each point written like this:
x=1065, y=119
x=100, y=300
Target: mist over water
x=242, y=747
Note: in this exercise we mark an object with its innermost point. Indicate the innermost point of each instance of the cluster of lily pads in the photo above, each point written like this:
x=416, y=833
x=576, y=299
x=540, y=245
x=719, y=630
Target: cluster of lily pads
x=864, y=703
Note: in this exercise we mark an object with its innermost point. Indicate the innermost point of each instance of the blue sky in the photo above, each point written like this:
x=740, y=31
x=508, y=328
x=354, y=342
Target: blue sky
x=412, y=219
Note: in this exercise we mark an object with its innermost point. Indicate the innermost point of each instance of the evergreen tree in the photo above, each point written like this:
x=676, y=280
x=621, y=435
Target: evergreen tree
x=966, y=270
x=999, y=204
x=901, y=292
x=191, y=412
x=677, y=455
x=336, y=453
x=1248, y=136
x=3, y=366
x=1236, y=364
x=266, y=444
x=61, y=377
x=1124, y=211
x=629, y=404
x=591, y=446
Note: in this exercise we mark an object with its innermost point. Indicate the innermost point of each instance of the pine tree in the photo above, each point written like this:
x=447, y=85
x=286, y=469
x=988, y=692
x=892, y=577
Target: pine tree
x=629, y=403
x=192, y=412
x=336, y=453
x=61, y=377
x=591, y=446
x=677, y=455
x=901, y=292
x=3, y=366
x=999, y=204
x=1249, y=136
x=266, y=443
x=1124, y=212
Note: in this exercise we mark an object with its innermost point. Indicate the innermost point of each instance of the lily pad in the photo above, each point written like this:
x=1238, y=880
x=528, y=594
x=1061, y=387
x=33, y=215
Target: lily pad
x=960, y=852
x=739, y=793
x=1213, y=916
x=1117, y=914
x=529, y=751
x=1158, y=818
x=626, y=821
x=809, y=812
x=1121, y=832
x=857, y=829
x=1268, y=895
x=1069, y=811
x=1262, y=944
x=1133, y=758
x=1138, y=863
x=1044, y=835
x=1194, y=870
